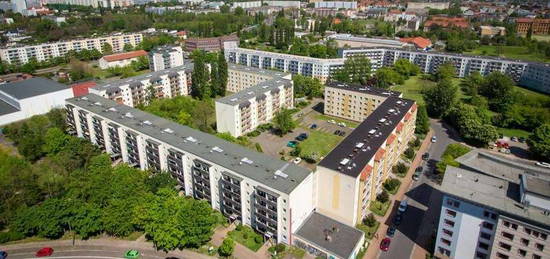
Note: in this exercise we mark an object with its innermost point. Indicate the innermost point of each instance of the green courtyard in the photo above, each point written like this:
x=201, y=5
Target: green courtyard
x=511, y=52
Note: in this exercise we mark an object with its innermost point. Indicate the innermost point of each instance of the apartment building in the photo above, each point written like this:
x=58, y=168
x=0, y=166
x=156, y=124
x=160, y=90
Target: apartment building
x=165, y=57
x=93, y=3
x=537, y=26
x=45, y=51
x=209, y=44
x=356, y=41
x=353, y=173
x=494, y=207
x=354, y=102
x=260, y=94
x=141, y=89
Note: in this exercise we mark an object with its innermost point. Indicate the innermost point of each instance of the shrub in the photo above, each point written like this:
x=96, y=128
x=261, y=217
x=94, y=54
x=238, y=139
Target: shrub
x=409, y=153
x=383, y=197
x=259, y=148
x=245, y=235
x=10, y=236
x=239, y=227
x=227, y=247
x=400, y=169
x=258, y=239
x=391, y=184
x=369, y=221
x=280, y=248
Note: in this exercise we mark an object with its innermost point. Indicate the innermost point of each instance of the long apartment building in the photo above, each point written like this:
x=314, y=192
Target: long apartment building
x=165, y=57
x=529, y=74
x=494, y=207
x=274, y=197
x=352, y=174
x=353, y=102
x=141, y=89
x=45, y=51
x=259, y=95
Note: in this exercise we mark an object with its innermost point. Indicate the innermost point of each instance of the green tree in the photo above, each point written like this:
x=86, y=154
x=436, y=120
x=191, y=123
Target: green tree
x=445, y=71
x=106, y=49
x=307, y=86
x=355, y=70
x=383, y=197
x=128, y=47
x=539, y=142
x=498, y=88
x=227, y=247
x=471, y=125
x=422, y=121
x=386, y=77
x=406, y=68
x=202, y=115
x=440, y=98
x=369, y=221
x=222, y=74
x=471, y=83
x=200, y=88
x=283, y=121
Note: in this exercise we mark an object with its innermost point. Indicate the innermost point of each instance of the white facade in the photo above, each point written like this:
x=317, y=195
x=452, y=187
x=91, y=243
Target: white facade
x=18, y=5
x=246, y=5
x=104, y=64
x=165, y=57
x=93, y=3
x=45, y=51
x=336, y=5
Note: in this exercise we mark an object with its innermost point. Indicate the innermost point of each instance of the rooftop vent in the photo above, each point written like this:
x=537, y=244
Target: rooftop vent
x=246, y=160
x=147, y=123
x=97, y=103
x=344, y=161
x=233, y=99
x=250, y=93
x=359, y=145
x=217, y=149
x=168, y=130
x=129, y=115
x=382, y=120
x=192, y=139
x=372, y=131
x=84, y=98
x=112, y=109
x=281, y=174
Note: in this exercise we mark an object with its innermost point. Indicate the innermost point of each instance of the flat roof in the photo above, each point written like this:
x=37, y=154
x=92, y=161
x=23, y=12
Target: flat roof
x=258, y=90
x=343, y=238
x=6, y=108
x=537, y=186
x=364, y=89
x=372, y=133
x=490, y=191
x=32, y=87
x=270, y=171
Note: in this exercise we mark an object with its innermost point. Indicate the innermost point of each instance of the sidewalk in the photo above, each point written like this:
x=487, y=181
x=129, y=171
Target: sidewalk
x=241, y=252
x=406, y=183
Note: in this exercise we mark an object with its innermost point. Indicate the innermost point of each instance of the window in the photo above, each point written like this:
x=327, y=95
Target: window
x=444, y=251
x=522, y=252
x=536, y=256
x=485, y=235
x=449, y=223
x=525, y=242
x=540, y=247
x=488, y=225
x=448, y=232
x=505, y=246
x=445, y=241
x=480, y=255
x=528, y=231
x=515, y=226
x=483, y=245
x=543, y=236
x=502, y=256
x=453, y=203
x=451, y=213
x=508, y=235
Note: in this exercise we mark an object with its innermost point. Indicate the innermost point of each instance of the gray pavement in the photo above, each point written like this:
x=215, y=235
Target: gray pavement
x=424, y=199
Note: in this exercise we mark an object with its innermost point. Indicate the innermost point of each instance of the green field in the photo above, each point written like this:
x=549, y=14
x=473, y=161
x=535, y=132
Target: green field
x=413, y=87
x=512, y=52
x=319, y=142
x=542, y=37
x=513, y=132
x=247, y=237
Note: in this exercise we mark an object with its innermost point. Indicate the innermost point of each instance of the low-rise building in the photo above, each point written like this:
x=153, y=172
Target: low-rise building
x=428, y=5
x=260, y=94
x=491, y=31
x=23, y=99
x=165, y=57
x=141, y=89
x=209, y=44
x=45, y=51
x=446, y=22
x=357, y=41
x=121, y=59
x=537, y=26
x=419, y=43
x=494, y=207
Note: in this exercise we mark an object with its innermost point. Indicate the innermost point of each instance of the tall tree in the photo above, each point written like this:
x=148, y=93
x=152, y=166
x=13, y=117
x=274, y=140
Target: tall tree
x=440, y=98
x=471, y=83
x=445, y=71
x=222, y=74
x=539, y=142
x=283, y=121
x=355, y=70
x=200, y=88
x=422, y=121
x=498, y=88
x=106, y=49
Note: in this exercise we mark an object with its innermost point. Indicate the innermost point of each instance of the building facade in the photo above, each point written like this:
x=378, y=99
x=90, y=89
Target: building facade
x=121, y=59
x=260, y=94
x=45, y=51
x=537, y=26
x=209, y=44
x=141, y=89
x=353, y=173
x=165, y=57
x=494, y=207
x=336, y=5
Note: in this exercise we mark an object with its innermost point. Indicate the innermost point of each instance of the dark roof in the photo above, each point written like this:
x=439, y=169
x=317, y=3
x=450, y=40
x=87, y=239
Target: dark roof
x=364, y=89
x=343, y=238
x=5, y=108
x=31, y=87
x=392, y=110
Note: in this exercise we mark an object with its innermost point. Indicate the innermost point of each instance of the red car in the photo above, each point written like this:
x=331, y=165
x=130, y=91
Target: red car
x=385, y=244
x=45, y=251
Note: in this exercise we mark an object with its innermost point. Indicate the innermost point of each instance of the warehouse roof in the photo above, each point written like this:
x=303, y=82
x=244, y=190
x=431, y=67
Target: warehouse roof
x=31, y=87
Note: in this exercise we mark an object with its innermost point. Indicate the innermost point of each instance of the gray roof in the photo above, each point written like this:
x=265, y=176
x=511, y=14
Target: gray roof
x=536, y=185
x=493, y=192
x=256, y=91
x=32, y=87
x=343, y=238
x=6, y=108
x=364, y=89
x=262, y=169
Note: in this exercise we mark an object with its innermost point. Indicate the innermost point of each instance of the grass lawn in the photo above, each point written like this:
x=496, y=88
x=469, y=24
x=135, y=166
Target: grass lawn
x=319, y=142
x=369, y=231
x=379, y=208
x=512, y=52
x=513, y=132
x=412, y=88
x=247, y=237
x=542, y=37
x=351, y=124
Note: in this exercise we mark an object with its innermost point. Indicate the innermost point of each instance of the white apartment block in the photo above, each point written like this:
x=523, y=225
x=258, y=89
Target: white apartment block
x=494, y=207
x=165, y=57
x=260, y=94
x=93, y=3
x=528, y=74
x=45, y=51
x=141, y=89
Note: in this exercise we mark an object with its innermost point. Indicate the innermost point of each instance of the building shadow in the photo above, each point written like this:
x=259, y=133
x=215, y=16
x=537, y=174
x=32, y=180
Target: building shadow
x=320, y=107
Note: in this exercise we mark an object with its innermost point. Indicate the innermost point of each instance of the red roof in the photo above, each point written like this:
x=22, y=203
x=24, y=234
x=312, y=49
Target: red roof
x=419, y=42
x=447, y=22
x=391, y=138
x=81, y=89
x=366, y=172
x=181, y=33
x=379, y=154
x=126, y=55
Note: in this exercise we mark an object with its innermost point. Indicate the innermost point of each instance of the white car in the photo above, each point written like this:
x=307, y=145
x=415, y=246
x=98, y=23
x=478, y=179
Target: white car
x=543, y=164
x=434, y=139
x=297, y=160
x=332, y=121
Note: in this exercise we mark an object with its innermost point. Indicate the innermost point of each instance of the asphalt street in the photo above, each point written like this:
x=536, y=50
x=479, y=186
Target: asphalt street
x=424, y=200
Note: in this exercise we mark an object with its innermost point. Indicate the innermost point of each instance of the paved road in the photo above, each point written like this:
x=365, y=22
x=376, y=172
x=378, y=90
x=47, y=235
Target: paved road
x=424, y=199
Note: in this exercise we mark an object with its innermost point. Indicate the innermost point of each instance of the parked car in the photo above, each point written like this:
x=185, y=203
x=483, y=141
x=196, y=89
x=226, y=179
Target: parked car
x=45, y=251
x=391, y=231
x=385, y=244
x=426, y=156
x=337, y=132
x=341, y=124
x=515, y=139
x=131, y=254
x=522, y=139
x=292, y=144
x=434, y=139
x=297, y=160
x=342, y=133
x=313, y=126
x=397, y=219
x=402, y=206
x=302, y=137
x=543, y=164
x=3, y=255
x=417, y=173
x=332, y=121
